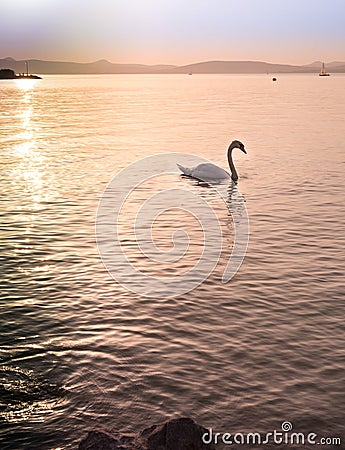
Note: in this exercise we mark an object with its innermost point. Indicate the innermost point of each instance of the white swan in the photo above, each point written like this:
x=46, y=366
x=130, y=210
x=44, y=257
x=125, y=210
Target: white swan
x=209, y=171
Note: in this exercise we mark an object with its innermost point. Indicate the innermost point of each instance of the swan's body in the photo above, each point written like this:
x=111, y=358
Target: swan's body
x=211, y=172
x=205, y=170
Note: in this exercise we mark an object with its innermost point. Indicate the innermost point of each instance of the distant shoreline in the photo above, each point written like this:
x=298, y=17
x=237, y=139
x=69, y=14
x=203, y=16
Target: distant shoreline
x=182, y=74
x=207, y=67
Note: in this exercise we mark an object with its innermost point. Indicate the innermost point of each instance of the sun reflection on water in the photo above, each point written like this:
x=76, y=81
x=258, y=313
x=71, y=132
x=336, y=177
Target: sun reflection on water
x=28, y=189
x=25, y=136
x=26, y=84
x=29, y=170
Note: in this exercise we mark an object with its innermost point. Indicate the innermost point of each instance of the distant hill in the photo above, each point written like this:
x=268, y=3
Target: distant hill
x=330, y=65
x=254, y=67
x=236, y=67
x=103, y=67
x=337, y=69
x=62, y=67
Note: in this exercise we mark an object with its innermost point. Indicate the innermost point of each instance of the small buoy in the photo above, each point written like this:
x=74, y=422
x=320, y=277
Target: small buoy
x=274, y=79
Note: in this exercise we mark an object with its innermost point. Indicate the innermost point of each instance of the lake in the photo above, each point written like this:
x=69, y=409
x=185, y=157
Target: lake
x=80, y=350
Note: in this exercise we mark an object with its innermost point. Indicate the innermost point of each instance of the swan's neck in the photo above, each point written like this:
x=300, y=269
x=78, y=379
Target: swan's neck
x=234, y=174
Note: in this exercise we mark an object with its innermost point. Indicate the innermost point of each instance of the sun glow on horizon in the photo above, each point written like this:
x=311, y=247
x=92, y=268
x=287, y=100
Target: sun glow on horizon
x=173, y=31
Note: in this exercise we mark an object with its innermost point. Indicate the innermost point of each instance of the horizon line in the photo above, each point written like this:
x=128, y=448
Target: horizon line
x=169, y=64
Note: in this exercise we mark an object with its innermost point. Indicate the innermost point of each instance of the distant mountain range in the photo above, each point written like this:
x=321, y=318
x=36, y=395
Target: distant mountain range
x=103, y=67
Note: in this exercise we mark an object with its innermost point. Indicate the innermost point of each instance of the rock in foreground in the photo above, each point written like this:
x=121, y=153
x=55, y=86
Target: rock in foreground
x=177, y=434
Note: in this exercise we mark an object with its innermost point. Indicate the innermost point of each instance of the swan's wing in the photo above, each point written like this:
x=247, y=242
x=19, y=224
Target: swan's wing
x=205, y=172
x=209, y=171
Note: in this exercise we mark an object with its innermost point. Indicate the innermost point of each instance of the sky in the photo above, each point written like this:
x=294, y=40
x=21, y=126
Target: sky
x=173, y=31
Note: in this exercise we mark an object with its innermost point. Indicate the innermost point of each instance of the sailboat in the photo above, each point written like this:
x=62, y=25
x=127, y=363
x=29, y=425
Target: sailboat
x=323, y=72
x=27, y=74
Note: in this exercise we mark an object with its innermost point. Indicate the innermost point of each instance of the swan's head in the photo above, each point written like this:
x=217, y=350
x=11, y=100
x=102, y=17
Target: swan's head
x=239, y=145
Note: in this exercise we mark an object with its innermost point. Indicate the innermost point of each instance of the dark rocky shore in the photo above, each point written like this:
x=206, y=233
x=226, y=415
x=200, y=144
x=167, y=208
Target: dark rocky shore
x=9, y=74
x=176, y=434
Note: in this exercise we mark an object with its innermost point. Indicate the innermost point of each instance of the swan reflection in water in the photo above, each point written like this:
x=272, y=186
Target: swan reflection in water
x=237, y=222
x=230, y=193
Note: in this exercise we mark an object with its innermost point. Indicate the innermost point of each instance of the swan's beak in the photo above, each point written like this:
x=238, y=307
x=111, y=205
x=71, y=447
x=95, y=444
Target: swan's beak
x=244, y=150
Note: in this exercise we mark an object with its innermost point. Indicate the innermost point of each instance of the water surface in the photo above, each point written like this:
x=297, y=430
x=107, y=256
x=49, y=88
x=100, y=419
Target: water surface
x=78, y=350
